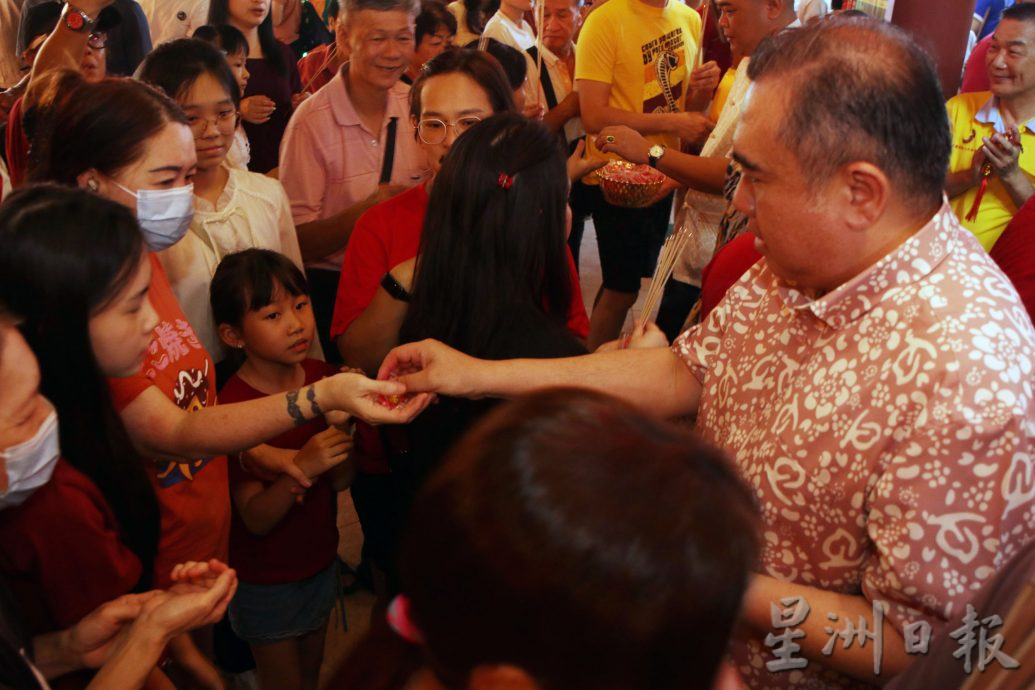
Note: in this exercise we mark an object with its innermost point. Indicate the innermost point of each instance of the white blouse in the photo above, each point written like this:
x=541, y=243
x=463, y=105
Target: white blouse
x=253, y=211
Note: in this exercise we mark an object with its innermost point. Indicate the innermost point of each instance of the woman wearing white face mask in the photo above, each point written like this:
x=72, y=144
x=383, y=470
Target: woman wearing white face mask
x=122, y=135
x=88, y=508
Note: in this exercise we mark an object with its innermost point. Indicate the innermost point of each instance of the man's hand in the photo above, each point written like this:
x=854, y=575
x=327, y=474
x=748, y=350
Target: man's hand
x=646, y=334
x=691, y=128
x=625, y=141
x=1002, y=153
x=579, y=167
x=257, y=109
x=296, y=99
x=703, y=81
x=323, y=451
x=432, y=367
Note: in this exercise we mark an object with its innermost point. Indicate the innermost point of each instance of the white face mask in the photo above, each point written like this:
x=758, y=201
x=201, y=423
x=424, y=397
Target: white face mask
x=30, y=464
x=164, y=214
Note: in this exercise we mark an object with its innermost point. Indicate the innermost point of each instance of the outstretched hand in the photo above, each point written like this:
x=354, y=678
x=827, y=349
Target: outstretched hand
x=429, y=366
x=371, y=400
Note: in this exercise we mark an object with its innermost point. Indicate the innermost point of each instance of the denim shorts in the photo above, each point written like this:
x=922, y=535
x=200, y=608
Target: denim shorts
x=268, y=613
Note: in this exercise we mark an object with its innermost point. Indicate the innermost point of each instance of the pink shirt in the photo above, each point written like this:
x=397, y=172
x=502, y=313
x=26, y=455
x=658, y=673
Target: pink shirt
x=885, y=428
x=329, y=159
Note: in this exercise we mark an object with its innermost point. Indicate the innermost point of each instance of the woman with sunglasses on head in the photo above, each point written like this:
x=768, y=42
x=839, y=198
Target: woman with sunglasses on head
x=233, y=209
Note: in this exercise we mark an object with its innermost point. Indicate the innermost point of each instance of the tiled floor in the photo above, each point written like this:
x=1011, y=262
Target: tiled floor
x=360, y=606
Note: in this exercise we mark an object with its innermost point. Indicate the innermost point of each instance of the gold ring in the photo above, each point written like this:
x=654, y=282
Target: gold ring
x=609, y=139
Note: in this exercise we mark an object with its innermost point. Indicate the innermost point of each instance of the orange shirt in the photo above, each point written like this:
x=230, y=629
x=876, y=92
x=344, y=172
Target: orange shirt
x=193, y=495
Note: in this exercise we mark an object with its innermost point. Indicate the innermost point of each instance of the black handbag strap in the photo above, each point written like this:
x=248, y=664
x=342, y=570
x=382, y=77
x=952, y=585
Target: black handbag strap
x=544, y=80
x=389, y=160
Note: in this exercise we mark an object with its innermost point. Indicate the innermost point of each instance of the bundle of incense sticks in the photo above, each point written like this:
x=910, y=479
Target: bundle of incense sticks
x=671, y=250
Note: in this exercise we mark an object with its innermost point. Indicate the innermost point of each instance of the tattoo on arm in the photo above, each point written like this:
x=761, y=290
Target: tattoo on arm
x=310, y=395
x=293, y=409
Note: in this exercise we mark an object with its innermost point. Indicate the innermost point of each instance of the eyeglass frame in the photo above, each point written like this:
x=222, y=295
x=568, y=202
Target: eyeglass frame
x=445, y=127
x=97, y=37
x=204, y=121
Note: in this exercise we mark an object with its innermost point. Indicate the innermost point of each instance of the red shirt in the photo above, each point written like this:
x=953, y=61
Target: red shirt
x=1014, y=252
x=384, y=237
x=305, y=541
x=726, y=267
x=193, y=496
x=389, y=234
x=60, y=552
x=314, y=70
x=975, y=73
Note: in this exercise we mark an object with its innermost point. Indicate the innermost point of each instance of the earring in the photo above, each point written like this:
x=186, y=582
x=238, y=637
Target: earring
x=93, y=184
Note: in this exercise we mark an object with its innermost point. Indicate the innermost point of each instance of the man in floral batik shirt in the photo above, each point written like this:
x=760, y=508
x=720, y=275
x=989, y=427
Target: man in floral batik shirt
x=871, y=376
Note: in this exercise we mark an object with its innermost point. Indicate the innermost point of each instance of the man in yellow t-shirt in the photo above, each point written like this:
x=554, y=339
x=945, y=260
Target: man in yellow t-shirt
x=992, y=133
x=635, y=67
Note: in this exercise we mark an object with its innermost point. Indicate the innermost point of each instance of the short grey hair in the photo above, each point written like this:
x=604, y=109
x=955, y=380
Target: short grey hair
x=410, y=7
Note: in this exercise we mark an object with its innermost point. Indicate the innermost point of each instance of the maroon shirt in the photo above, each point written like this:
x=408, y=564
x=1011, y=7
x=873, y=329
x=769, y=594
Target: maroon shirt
x=305, y=541
x=265, y=139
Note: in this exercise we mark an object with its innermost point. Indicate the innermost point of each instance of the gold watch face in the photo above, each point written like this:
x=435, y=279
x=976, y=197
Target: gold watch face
x=656, y=151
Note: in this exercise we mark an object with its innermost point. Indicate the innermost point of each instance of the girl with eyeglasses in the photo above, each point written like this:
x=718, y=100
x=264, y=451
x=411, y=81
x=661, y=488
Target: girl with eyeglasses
x=234, y=209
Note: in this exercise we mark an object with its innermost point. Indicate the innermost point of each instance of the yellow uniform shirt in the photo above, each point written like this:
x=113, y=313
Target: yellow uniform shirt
x=645, y=53
x=722, y=93
x=973, y=116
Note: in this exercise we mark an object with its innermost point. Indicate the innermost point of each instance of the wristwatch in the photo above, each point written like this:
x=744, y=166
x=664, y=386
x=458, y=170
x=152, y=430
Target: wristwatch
x=78, y=21
x=654, y=154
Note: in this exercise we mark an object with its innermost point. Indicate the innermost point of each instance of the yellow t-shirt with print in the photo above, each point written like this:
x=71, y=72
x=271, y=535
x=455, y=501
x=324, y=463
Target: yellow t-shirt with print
x=997, y=208
x=645, y=53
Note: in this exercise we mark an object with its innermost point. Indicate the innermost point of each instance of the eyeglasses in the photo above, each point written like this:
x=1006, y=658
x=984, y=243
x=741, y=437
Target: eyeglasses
x=433, y=131
x=97, y=40
x=224, y=119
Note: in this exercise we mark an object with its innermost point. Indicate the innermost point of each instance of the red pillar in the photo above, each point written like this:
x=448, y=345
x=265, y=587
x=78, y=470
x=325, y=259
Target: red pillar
x=941, y=28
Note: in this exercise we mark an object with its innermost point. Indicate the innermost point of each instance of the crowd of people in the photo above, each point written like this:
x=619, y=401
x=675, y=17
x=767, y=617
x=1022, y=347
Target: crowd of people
x=257, y=253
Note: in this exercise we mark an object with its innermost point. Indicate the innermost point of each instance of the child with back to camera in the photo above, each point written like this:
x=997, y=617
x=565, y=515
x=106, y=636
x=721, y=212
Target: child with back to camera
x=284, y=550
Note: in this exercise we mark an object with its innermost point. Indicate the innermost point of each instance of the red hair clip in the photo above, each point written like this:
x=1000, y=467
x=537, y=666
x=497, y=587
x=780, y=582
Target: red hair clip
x=505, y=181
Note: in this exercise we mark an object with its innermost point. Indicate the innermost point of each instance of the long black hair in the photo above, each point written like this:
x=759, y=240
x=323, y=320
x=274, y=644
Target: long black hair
x=493, y=235
x=66, y=254
x=575, y=537
x=272, y=49
x=175, y=66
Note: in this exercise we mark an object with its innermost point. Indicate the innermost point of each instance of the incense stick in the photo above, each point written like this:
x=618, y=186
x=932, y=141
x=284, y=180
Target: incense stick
x=699, y=60
x=330, y=56
x=540, y=10
x=671, y=250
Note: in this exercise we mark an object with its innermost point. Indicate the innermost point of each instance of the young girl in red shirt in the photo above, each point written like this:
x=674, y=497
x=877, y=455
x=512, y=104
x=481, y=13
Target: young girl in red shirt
x=285, y=550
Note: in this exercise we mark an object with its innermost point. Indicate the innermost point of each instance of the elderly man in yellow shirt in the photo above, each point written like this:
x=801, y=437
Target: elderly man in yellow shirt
x=993, y=144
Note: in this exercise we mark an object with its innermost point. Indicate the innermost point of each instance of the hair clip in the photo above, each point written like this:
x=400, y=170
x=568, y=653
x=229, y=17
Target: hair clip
x=505, y=181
